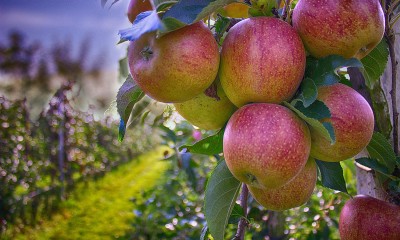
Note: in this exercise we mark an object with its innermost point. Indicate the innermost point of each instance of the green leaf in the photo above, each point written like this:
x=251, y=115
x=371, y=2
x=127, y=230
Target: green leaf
x=221, y=25
x=171, y=24
x=316, y=111
x=210, y=145
x=377, y=166
x=128, y=95
x=263, y=8
x=236, y=215
x=375, y=63
x=144, y=116
x=145, y=22
x=169, y=135
x=162, y=5
x=380, y=149
x=324, y=71
x=308, y=92
x=373, y=164
x=220, y=196
x=332, y=175
x=191, y=11
x=138, y=110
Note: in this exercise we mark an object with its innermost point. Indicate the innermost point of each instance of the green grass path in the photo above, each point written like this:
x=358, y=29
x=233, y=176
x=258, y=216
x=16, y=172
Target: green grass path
x=102, y=209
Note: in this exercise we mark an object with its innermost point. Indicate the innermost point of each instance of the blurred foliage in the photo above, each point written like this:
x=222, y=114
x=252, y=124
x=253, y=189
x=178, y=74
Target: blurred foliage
x=40, y=161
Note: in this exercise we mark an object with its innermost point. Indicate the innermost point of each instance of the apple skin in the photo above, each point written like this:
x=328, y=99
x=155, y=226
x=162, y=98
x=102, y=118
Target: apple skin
x=262, y=60
x=136, y=7
x=368, y=218
x=353, y=122
x=266, y=145
x=350, y=28
x=177, y=66
x=293, y=194
x=207, y=112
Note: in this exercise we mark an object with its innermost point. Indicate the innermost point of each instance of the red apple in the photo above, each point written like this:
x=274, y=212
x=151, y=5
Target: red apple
x=350, y=28
x=136, y=7
x=177, y=66
x=266, y=145
x=352, y=120
x=262, y=60
x=293, y=194
x=368, y=218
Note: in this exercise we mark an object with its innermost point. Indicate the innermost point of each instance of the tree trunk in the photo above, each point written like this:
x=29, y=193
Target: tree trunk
x=366, y=181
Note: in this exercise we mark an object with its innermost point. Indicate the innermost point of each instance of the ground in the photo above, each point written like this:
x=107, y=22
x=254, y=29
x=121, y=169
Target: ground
x=102, y=209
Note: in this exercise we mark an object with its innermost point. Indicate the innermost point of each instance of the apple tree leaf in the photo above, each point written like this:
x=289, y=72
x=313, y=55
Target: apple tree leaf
x=145, y=22
x=210, y=145
x=236, y=215
x=308, y=92
x=128, y=95
x=377, y=166
x=312, y=115
x=163, y=5
x=373, y=164
x=324, y=71
x=168, y=134
x=380, y=149
x=220, y=198
x=221, y=25
x=332, y=175
x=375, y=63
x=191, y=11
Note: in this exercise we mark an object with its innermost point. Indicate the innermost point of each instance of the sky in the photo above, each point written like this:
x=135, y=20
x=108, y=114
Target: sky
x=49, y=21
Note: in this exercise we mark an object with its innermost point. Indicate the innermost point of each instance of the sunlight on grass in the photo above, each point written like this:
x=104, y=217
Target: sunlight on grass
x=102, y=209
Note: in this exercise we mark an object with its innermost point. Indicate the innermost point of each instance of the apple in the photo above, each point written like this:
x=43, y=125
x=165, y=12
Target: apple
x=352, y=120
x=265, y=145
x=262, y=60
x=207, y=112
x=368, y=218
x=347, y=28
x=136, y=7
x=293, y=194
x=177, y=66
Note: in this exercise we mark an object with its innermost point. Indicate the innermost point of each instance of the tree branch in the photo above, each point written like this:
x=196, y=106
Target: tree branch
x=243, y=221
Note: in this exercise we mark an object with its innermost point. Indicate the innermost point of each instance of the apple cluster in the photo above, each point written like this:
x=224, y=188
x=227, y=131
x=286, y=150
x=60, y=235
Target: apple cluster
x=243, y=84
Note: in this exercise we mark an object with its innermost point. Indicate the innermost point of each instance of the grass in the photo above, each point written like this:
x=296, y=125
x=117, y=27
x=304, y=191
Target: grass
x=102, y=209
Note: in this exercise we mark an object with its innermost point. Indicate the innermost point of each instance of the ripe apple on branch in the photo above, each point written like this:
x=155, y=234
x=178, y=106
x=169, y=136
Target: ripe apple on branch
x=272, y=87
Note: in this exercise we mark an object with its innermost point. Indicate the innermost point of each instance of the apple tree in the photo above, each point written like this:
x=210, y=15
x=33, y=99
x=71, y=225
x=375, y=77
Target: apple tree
x=290, y=88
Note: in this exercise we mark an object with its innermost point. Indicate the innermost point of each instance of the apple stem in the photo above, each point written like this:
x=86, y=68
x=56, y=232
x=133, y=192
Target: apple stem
x=391, y=39
x=243, y=221
x=285, y=15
